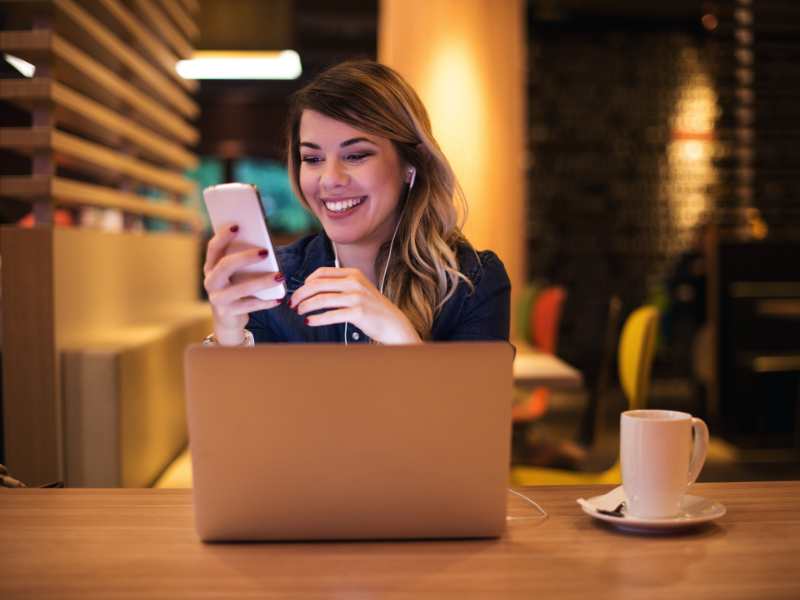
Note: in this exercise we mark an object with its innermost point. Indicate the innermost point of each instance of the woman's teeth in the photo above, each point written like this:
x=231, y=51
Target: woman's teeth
x=343, y=205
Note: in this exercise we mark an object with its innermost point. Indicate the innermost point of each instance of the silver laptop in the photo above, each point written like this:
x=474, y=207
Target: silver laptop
x=323, y=442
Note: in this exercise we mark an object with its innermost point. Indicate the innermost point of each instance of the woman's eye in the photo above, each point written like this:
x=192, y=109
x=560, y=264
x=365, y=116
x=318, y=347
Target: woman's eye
x=312, y=160
x=358, y=156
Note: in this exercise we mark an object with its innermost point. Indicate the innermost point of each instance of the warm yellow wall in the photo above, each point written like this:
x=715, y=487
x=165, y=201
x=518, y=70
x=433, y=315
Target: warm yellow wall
x=467, y=61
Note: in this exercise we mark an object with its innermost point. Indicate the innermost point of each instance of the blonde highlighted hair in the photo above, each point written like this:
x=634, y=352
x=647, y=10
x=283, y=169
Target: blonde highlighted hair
x=424, y=270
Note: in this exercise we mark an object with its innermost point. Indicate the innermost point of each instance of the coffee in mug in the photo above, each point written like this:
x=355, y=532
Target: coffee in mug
x=660, y=459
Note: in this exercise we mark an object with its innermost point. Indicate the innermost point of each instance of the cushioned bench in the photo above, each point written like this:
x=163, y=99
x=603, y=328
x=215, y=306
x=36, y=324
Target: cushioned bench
x=124, y=407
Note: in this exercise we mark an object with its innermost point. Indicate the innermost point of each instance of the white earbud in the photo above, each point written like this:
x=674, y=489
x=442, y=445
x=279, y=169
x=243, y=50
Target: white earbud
x=412, y=175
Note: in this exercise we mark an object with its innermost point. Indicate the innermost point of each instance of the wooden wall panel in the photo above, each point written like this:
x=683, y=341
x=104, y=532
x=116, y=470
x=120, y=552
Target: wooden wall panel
x=31, y=411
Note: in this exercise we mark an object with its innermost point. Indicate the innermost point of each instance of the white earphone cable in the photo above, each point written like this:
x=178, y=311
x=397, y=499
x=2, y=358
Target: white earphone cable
x=412, y=174
x=543, y=516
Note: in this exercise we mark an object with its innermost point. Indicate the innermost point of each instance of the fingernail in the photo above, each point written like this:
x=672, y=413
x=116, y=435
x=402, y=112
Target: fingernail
x=263, y=252
x=279, y=277
x=306, y=320
x=234, y=229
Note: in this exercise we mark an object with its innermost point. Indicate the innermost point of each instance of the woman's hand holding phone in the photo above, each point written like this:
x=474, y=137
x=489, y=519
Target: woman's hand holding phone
x=231, y=303
x=346, y=295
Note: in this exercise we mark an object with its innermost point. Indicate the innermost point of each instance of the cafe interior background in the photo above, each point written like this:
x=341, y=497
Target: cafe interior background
x=614, y=153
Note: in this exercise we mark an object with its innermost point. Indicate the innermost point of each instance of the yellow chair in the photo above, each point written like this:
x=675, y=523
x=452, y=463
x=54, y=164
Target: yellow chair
x=635, y=360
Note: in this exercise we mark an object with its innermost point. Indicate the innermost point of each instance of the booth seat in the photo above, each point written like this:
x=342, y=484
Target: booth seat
x=124, y=411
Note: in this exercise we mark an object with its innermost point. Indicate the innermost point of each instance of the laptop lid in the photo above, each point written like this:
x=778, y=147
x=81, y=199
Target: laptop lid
x=323, y=441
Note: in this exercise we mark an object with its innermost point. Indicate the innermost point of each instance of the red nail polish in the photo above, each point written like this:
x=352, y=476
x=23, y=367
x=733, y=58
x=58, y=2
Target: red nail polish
x=234, y=229
x=306, y=320
x=263, y=252
x=279, y=277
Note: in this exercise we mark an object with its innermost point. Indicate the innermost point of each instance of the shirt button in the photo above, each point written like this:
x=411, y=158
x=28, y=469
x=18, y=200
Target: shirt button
x=356, y=336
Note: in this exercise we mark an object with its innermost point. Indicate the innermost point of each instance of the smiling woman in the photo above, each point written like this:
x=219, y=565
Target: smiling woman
x=343, y=174
x=391, y=265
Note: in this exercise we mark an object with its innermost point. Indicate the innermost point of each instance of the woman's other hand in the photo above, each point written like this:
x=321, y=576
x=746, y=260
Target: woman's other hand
x=346, y=295
x=232, y=303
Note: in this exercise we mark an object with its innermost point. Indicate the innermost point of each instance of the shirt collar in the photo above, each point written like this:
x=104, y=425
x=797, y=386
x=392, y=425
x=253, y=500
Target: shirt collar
x=319, y=253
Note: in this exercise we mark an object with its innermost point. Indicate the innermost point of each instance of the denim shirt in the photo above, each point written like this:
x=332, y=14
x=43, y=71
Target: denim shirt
x=479, y=314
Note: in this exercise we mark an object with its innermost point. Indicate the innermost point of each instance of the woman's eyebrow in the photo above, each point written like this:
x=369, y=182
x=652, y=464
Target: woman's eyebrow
x=356, y=140
x=344, y=144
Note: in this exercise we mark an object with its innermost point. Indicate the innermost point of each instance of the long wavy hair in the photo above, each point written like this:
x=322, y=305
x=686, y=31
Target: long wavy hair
x=424, y=270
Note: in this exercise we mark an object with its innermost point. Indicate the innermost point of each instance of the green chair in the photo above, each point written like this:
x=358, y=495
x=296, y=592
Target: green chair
x=525, y=304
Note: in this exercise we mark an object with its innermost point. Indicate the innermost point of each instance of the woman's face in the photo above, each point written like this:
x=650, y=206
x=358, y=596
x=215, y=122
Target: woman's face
x=352, y=180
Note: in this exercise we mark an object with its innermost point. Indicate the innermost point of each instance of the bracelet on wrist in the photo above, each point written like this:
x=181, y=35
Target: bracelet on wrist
x=249, y=340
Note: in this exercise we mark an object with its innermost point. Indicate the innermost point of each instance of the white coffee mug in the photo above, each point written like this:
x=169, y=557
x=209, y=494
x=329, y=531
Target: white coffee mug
x=659, y=459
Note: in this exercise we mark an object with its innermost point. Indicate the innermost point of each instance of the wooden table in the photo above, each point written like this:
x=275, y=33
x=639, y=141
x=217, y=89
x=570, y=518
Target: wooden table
x=141, y=544
x=535, y=368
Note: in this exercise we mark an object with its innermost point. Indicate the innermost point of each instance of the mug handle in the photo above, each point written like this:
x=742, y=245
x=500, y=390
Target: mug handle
x=699, y=448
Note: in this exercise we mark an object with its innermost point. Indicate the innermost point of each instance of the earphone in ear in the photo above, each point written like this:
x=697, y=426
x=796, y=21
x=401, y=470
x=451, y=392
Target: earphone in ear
x=412, y=175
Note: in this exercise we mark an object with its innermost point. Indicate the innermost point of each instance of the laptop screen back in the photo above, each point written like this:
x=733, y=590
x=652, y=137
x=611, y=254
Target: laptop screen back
x=317, y=441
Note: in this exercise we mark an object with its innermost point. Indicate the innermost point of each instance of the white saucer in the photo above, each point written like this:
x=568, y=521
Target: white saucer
x=694, y=510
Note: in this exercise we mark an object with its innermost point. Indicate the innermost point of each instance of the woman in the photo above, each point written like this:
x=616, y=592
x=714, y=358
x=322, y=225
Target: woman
x=391, y=265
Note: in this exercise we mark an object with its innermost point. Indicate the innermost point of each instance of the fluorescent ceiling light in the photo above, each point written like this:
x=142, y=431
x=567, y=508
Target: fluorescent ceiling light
x=23, y=66
x=212, y=64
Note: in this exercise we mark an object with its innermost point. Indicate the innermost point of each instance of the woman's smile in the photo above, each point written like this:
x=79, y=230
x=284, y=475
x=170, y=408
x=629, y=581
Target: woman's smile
x=338, y=208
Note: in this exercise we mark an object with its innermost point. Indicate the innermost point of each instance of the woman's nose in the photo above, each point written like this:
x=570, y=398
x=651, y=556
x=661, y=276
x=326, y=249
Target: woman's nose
x=334, y=175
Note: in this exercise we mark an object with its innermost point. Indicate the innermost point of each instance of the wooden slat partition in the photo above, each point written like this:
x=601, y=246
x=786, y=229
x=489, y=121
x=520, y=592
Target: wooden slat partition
x=184, y=21
x=110, y=124
x=76, y=111
x=191, y=6
x=161, y=23
x=66, y=192
x=88, y=26
x=157, y=50
x=80, y=71
x=93, y=158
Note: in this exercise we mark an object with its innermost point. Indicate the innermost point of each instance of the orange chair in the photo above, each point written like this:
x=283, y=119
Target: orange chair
x=545, y=324
x=546, y=320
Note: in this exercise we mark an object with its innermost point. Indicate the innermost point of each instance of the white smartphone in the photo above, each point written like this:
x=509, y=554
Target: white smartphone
x=240, y=204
